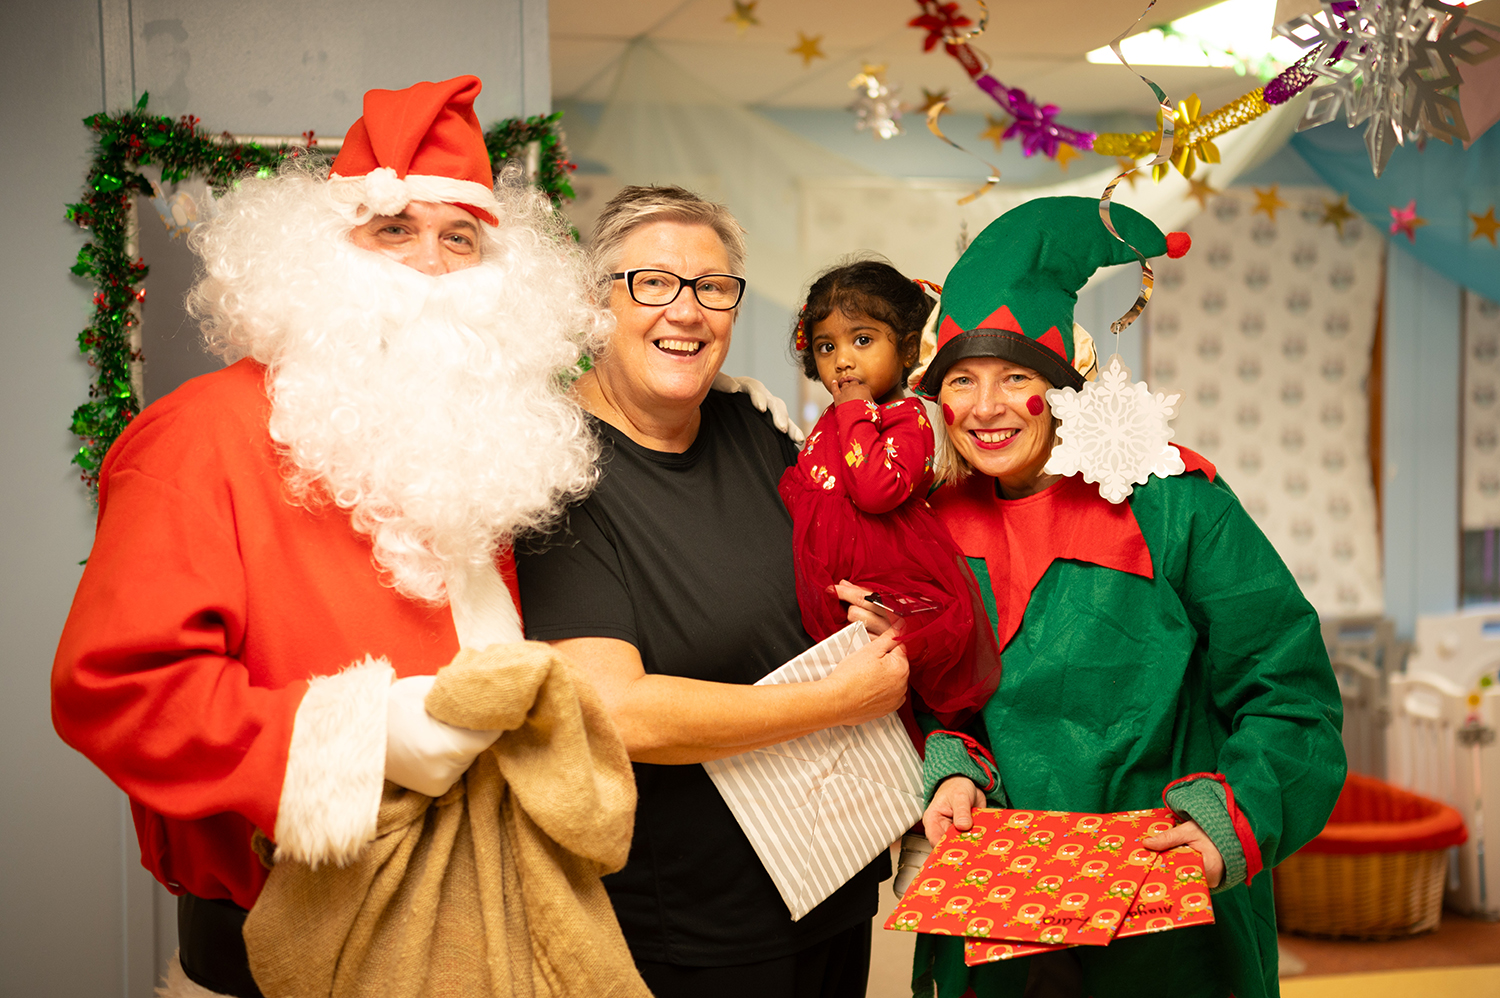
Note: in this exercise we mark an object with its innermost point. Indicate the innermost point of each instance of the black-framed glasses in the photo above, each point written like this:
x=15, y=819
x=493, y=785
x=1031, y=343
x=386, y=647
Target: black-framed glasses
x=718, y=292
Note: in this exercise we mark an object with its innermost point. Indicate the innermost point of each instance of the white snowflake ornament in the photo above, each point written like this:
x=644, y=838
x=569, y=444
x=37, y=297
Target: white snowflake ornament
x=1114, y=432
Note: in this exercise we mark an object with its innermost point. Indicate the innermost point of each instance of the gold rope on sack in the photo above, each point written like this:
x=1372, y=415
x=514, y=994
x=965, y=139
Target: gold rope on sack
x=1163, y=155
x=932, y=126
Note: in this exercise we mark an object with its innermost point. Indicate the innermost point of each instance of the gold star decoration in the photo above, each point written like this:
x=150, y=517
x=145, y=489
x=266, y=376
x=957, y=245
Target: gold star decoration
x=743, y=16
x=1485, y=225
x=809, y=48
x=1268, y=202
x=932, y=98
x=995, y=132
x=1337, y=214
x=1129, y=168
x=1199, y=191
x=1065, y=155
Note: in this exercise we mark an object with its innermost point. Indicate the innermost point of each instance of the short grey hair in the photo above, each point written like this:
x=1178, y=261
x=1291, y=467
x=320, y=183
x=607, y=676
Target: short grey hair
x=635, y=207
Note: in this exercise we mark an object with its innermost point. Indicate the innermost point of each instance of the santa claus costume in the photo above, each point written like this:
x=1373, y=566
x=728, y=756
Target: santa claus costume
x=280, y=540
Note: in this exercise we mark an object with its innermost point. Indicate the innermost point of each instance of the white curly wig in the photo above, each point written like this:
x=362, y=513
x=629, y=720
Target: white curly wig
x=434, y=409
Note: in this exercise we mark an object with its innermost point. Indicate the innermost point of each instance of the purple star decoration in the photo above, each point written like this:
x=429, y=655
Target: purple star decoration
x=1035, y=125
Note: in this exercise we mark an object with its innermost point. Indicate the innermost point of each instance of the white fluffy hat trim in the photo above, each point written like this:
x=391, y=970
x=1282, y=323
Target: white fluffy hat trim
x=381, y=192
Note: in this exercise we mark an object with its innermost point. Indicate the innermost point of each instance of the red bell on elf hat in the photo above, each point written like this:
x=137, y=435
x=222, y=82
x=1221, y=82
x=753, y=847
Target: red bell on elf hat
x=423, y=143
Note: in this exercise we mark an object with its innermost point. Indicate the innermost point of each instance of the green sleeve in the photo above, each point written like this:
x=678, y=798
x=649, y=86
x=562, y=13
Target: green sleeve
x=946, y=755
x=1266, y=673
x=1205, y=802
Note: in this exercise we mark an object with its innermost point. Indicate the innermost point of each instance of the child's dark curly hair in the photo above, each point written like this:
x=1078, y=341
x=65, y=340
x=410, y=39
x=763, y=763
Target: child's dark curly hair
x=866, y=287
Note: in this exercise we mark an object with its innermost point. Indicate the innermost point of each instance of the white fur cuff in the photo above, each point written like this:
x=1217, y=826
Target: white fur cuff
x=335, y=769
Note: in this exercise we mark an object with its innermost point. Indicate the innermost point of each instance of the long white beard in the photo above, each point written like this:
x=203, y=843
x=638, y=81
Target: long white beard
x=432, y=408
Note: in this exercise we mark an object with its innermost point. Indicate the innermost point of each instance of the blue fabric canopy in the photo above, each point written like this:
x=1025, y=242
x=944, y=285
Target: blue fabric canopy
x=1449, y=184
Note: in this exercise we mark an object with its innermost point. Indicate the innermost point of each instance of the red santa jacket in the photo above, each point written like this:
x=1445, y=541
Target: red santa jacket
x=208, y=604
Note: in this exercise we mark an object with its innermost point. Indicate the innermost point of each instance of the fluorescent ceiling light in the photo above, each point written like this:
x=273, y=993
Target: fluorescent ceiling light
x=1235, y=34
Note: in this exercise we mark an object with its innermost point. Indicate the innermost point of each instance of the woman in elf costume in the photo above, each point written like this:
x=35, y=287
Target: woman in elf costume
x=1155, y=649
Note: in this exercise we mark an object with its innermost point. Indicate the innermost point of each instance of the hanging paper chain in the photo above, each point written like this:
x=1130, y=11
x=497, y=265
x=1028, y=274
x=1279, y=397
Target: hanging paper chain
x=125, y=142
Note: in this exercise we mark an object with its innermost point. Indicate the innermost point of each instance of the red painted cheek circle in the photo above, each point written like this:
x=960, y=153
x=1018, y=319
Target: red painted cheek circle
x=947, y=414
x=1034, y=405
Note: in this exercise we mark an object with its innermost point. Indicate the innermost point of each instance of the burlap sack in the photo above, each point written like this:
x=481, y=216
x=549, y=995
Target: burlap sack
x=492, y=889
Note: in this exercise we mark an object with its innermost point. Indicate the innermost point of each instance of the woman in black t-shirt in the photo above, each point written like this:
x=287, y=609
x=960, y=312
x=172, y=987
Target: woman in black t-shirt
x=671, y=587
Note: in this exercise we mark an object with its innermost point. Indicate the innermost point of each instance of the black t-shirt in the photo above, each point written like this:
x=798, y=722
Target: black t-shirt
x=689, y=558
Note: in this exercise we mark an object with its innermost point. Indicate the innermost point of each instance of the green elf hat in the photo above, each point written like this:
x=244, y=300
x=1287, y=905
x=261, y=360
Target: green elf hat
x=1011, y=295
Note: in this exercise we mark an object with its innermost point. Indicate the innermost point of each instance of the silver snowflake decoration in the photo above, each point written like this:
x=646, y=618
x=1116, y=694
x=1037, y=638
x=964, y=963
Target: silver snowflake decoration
x=876, y=108
x=1392, y=64
x=1115, y=432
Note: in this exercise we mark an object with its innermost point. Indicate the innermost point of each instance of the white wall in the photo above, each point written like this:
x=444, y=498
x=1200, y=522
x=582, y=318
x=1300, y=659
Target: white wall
x=77, y=914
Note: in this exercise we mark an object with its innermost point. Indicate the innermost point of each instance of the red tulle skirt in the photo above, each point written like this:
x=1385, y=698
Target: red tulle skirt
x=955, y=665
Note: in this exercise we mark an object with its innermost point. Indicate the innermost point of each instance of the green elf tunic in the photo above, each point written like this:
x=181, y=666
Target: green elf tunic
x=1144, y=643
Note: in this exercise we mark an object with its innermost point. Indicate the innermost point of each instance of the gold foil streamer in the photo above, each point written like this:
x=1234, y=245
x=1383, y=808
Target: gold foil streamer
x=1240, y=111
x=1123, y=145
x=932, y=126
x=1163, y=147
x=1196, y=133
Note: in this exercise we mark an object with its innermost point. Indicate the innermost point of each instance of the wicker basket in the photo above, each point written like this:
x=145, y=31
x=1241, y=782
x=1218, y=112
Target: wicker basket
x=1376, y=871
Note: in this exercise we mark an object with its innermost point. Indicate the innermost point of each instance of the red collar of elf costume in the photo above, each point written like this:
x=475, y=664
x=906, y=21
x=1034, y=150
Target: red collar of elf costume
x=1019, y=539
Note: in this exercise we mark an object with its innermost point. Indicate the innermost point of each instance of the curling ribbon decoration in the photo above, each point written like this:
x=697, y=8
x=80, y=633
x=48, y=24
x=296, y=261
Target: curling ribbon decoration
x=933, y=113
x=1163, y=155
x=1034, y=123
x=1038, y=130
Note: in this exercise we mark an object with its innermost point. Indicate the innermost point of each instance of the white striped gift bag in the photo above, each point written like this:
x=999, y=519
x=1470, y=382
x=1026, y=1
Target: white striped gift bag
x=818, y=808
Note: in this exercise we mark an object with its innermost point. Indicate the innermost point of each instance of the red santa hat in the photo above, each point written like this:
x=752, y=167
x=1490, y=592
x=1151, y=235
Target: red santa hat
x=423, y=143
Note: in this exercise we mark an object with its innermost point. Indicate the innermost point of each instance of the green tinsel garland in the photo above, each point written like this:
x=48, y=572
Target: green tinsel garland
x=132, y=139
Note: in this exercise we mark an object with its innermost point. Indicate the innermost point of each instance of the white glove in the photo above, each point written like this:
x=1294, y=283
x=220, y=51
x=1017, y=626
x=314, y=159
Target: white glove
x=762, y=399
x=914, y=852
x=421, y=752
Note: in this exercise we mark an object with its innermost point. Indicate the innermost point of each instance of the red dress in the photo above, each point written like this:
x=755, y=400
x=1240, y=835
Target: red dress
x=858, y=499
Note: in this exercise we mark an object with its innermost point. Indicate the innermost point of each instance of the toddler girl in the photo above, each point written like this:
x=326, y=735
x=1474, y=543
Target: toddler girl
x=858, y=492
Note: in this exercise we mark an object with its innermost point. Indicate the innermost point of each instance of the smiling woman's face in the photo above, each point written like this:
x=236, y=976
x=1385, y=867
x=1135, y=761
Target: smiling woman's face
x=667, y=355
x=999, y=420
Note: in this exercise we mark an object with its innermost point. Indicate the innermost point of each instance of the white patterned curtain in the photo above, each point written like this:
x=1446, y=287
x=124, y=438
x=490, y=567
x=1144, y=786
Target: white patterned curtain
x=1481, y=409
x=1266, y=329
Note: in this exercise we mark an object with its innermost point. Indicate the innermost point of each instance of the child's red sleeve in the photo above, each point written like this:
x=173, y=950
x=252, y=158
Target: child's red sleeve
x=887, y=451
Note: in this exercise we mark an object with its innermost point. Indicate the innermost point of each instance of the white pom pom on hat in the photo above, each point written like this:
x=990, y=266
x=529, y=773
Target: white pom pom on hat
x=386, y=193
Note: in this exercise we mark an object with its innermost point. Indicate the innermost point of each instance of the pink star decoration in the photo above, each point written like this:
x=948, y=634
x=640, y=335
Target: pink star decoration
x=1406, y=220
